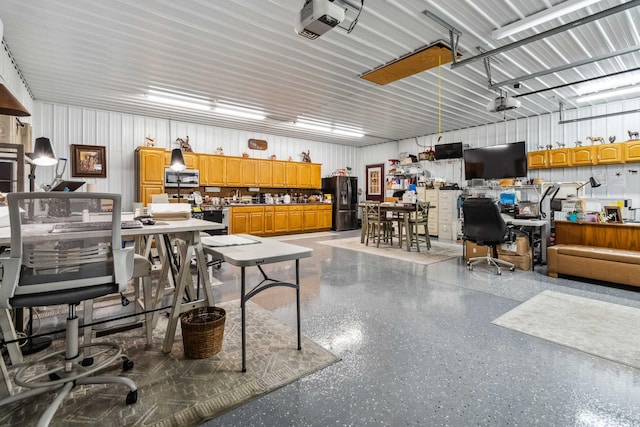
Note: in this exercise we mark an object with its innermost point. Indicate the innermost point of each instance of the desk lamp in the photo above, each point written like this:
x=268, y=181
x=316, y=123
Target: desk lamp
x=42, y=155
x=593, y=181
x=177, y=165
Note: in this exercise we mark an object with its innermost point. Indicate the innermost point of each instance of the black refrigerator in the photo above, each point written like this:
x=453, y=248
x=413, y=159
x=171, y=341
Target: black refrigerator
x=344, y=190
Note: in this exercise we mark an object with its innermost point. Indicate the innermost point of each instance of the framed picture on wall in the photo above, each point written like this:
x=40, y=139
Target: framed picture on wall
x=613, y=214
x=88, y=161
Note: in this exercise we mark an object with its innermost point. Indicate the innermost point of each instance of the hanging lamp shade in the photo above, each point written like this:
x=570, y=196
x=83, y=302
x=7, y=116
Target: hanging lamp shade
x=9, y=104
x=177, y=160
x=43, y=154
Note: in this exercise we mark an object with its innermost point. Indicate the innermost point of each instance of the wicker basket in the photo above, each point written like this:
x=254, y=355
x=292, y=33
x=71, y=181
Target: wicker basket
x=202, y=331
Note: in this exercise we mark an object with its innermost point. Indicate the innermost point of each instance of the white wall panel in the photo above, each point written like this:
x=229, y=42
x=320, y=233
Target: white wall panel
x=122, y=133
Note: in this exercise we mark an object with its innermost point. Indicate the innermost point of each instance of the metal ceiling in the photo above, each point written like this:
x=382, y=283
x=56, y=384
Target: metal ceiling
x=108, y=54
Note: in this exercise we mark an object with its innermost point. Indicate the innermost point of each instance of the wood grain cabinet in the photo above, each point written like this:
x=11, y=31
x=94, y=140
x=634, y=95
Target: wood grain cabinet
x=324, y=216
x=632, y=151
x=191, y=160
x=212, y=170
x=310, y=217
x=609, y=154
x=316, y=175
x=304, y=175
x=233, y=168
x=249, y=172
x=249, y=219
x=149, y=166
x=295, y=218
x=280, y=219
x=264, y=173
x=278, y=173
x=583, y=156
x=559, y=158
x=291, y=173
x=537, y=159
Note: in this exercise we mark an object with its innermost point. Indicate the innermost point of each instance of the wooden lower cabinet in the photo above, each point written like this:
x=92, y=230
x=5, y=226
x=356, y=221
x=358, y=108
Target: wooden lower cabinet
x=310, y=218
x=295, y=218
x=279, y=219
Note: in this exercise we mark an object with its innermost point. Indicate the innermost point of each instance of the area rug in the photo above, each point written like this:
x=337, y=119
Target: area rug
x=438, y=252
x=175, y=391
x=600, y=328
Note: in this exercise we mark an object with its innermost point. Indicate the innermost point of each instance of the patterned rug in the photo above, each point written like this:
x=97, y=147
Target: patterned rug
x=175, y=391
x=595, y=327
x=439, y=251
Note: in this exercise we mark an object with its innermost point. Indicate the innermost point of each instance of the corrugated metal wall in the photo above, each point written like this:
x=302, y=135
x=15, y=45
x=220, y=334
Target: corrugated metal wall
x=122, y=133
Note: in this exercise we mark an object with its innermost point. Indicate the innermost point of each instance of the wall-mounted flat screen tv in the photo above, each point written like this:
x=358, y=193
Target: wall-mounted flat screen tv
x=496, y=162
x=448, y=151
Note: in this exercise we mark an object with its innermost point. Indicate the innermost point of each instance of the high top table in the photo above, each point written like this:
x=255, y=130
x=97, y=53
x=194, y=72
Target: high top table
x=243, y=250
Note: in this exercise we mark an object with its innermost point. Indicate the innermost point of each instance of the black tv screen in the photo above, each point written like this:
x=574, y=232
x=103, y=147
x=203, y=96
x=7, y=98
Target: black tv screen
x=448, y=151
x=496, y=162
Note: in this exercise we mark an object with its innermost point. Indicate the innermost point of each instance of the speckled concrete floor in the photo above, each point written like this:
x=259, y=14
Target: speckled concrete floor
x=418, y=348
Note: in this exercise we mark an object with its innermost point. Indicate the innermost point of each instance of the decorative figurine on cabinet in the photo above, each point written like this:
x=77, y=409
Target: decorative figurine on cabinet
x=184, y=144
x=149, y=141
x=578, y=143
x=612, y=139
x=560, y=144
x=306, y=157
x=219, y=151
x=595, y=139
x=633, y=135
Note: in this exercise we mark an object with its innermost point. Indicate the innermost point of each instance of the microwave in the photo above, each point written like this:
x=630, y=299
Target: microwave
x=188, y=178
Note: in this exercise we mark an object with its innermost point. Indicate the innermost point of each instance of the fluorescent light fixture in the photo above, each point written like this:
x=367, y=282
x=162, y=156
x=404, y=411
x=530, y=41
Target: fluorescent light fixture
x=178, y=100
x=233, y=110
x=348, y=132
x=327, y=127
x=602, y=95
x=312, y=126
x=608, y=83
x=546, y=15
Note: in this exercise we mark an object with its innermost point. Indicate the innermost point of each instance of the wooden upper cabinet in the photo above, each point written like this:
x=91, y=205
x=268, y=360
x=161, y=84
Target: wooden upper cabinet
x=278, y=173
x=264, y=173
x=212, y=169
x=233, y=168
x=559, y=158
x=583, y=156
x=537, y=159
x=249, y=172
x=316, y=175
x=151, y=166
x=609, y=153
x=632, y=151
x=291, y=174
x=304, y=175
x=190, y=159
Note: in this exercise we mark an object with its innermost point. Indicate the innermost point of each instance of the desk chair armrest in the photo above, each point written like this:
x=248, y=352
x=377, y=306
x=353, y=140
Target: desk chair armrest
x=123, y=266
x=10, y=273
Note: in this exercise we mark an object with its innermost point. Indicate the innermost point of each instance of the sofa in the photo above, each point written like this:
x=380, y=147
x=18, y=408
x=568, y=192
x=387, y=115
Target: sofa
x=620, y=266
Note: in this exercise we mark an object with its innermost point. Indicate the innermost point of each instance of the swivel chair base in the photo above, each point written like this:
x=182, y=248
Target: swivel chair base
x=490, y=261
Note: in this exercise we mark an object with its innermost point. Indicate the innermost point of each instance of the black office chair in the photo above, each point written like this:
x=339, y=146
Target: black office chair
x=484, y=225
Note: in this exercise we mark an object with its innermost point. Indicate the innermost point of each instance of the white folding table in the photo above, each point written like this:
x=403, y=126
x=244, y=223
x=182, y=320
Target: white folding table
x=243, y=250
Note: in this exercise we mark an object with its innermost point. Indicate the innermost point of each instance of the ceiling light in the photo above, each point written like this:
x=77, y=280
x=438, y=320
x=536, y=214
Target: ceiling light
x=546, y=15
x=347, y=132
x=233, y=110
x=612, y=82
x=312, y=126
x=178, y=100
x=611, y=93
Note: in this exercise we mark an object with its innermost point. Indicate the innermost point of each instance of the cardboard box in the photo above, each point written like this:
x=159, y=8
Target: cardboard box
x=519, y=247
x=521, y=262
x=472, y=250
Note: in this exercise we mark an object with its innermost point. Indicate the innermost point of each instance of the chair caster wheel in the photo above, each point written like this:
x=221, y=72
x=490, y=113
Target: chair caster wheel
x=87, y=361
x=471, y=268
x=499, y=272
x=512, y=268
x=132, y=397
x=127, y=365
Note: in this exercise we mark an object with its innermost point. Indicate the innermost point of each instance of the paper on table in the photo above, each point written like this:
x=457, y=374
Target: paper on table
x=228, y=240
